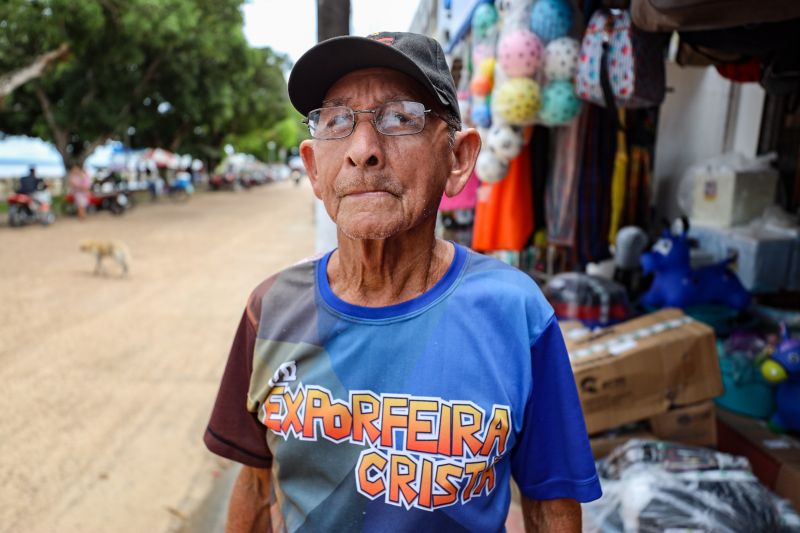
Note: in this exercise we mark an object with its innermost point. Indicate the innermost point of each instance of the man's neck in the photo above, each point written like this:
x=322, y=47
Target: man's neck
x=377, y=273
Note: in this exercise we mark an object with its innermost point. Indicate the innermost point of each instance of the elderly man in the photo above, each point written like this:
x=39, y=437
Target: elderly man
x=399, y=381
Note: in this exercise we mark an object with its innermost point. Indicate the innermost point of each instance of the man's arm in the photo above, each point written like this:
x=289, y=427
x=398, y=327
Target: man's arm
x=551, y=516
x=248, y=510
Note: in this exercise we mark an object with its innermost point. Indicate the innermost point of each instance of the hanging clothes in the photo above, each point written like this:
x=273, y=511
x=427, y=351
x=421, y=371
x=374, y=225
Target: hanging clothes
x=618, y=181
x=640, y=177
x=540, y=164
x=641, y=138
x=504, y=213
x=561, y=193
x=594, y=196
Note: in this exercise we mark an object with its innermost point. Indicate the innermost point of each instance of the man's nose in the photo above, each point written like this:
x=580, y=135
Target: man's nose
x=365, y=144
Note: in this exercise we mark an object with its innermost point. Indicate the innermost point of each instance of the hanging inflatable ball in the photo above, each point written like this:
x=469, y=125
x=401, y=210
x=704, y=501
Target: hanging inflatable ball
x=486, y=67
x=520, y=53
x=561, y=59
x=505, y=141
x=481, y=52
x=560, y=105
x=481, y=115
x=517, y=101
x=483, y=20
x=481, y=85
x=551, y=19
x=490, y=168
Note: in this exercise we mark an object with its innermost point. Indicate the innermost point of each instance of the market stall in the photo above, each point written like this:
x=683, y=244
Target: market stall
x=643, y=164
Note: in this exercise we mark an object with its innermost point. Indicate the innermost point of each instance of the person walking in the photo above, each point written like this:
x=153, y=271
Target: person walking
x=80, y=185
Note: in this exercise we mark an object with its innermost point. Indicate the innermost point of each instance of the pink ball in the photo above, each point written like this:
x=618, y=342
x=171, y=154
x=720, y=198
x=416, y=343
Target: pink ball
x=481, y=52
x=520, y=53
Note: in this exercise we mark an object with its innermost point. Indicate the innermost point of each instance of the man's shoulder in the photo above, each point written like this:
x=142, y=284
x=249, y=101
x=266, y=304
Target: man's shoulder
x=283, y=284
x=490, y=270
x=504, y=287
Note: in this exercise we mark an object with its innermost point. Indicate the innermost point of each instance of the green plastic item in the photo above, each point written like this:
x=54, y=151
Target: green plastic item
x=746, y=391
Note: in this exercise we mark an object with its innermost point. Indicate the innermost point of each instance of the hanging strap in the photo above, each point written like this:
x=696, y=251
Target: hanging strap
x=605, y=81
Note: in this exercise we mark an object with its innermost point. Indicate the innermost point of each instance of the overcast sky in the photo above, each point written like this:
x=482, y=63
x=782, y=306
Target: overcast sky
x=290, y=26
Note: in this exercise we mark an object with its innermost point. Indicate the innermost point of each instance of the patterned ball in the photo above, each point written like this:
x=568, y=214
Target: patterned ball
x=520, y=53
x=481, y=52
x=560, y=105
x=483, y=20
x=481, y=114
x=517, y=101
x=486, y=67
x=551, y=19
x=561, y=59
x=481, y=85
x=490, y=168
x=505, y=141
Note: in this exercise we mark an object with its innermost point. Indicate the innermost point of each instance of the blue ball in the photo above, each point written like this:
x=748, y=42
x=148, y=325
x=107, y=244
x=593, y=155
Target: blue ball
x=551, y=19
x=483, y=20
x=560, y=105
x=481, y=115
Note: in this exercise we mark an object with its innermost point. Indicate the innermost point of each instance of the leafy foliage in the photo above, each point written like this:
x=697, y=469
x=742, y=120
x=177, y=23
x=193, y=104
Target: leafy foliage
x=176, y=74
x=287, y=134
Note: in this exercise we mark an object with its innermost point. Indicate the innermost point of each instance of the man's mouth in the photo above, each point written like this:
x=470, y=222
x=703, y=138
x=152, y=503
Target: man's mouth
x=368, y=194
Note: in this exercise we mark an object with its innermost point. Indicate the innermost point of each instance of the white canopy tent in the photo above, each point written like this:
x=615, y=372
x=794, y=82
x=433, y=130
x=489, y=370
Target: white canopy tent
x=18, y=154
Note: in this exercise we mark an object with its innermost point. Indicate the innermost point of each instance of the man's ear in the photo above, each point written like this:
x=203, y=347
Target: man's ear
x=307, y=155
x=465, y=152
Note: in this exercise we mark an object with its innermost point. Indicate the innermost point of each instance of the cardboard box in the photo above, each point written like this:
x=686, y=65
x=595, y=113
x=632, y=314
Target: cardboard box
x=724, y=198
x=693, y=424
x=573, y=330
x=603, y=444
x=775, y=458
x=643, y=367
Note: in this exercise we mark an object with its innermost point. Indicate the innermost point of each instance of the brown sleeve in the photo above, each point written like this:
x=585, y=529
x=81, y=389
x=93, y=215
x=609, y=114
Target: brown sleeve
x=233, y=431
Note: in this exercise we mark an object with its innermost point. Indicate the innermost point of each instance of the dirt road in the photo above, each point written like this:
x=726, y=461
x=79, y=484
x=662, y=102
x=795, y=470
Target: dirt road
x=106, y=382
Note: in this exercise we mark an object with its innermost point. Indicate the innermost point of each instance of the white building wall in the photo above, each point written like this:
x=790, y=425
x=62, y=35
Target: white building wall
x=703, y=115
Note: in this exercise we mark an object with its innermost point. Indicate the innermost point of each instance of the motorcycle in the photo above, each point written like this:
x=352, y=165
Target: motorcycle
x=181, y=188
x=223, y=181
x=30, y=208
x=114, y=201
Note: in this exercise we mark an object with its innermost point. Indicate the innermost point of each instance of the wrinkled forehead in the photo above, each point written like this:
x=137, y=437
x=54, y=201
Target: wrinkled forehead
x=375, y=85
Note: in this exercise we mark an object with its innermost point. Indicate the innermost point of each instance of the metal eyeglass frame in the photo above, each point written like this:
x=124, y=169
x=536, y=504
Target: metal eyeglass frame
x=373, y=121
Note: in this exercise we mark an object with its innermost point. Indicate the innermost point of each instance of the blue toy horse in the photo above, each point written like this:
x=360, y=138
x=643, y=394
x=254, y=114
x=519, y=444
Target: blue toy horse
x=783, y=369
x=677, y=285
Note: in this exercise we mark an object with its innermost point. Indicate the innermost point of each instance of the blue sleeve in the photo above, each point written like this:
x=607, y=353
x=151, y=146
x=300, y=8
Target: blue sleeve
x=552, y=458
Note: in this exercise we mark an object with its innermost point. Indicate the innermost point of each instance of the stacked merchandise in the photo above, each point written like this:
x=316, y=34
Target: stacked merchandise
x=651, y=486
x=553, y=165
x=658, y=372
x=567, y=105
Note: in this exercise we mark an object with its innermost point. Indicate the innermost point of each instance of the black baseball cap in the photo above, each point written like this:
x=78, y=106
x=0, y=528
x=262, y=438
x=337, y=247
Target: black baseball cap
x=413, y=54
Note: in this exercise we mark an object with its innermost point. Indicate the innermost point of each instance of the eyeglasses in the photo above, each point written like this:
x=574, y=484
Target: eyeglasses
x=391, y=118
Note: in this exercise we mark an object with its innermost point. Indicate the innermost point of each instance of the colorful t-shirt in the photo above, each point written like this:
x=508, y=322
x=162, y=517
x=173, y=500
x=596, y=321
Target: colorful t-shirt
x=409, y=417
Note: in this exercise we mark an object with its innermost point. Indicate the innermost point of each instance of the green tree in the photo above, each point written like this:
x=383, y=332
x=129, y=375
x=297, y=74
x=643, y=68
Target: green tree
x=287, y=134
x=176, y=74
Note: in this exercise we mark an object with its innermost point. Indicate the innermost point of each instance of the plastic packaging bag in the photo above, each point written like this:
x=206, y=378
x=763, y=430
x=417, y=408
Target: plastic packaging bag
x=654, y=486
x=593, y=300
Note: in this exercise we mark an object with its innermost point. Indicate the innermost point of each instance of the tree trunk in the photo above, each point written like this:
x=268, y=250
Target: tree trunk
x=333, y=18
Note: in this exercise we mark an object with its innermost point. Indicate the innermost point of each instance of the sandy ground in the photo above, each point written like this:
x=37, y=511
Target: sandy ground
x=107, y=382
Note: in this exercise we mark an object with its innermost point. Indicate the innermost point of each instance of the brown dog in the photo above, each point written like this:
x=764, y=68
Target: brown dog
x=102, y=249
